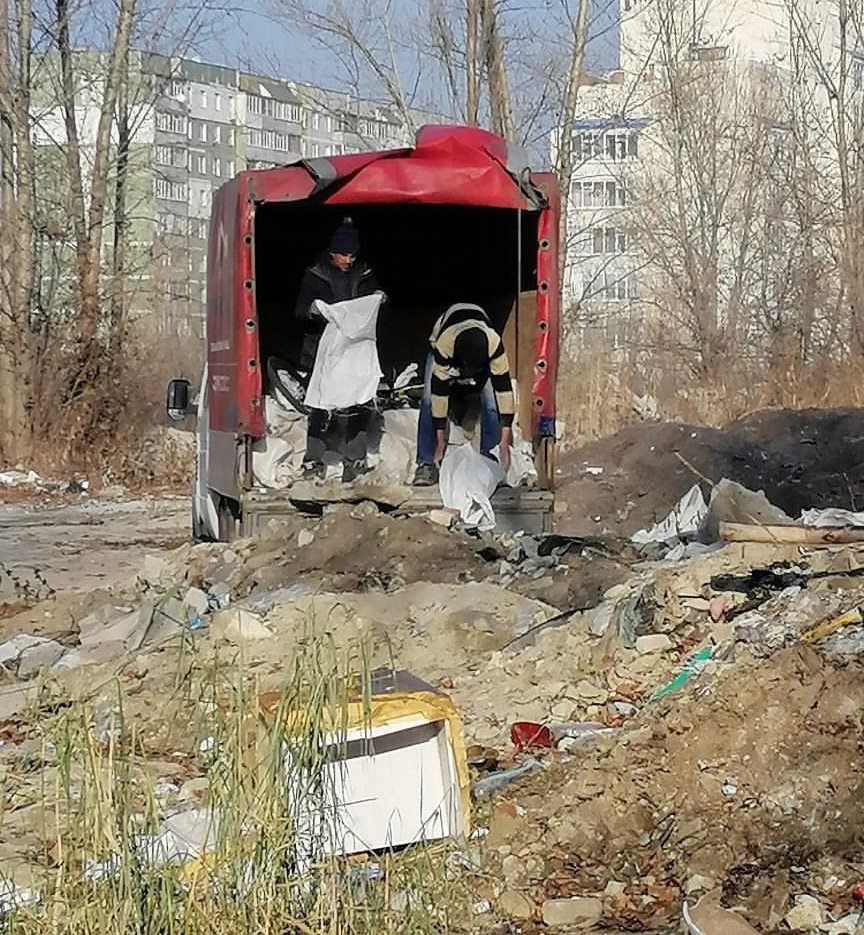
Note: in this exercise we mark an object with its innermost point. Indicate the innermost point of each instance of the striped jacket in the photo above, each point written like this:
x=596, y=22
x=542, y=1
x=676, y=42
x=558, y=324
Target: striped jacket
x=445, y=374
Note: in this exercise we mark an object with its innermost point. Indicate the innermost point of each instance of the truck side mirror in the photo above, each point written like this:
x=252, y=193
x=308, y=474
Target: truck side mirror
x=177, y=402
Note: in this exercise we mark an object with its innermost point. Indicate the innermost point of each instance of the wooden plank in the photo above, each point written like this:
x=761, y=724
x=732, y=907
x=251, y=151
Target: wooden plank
x=518, y=336
x=789, y=535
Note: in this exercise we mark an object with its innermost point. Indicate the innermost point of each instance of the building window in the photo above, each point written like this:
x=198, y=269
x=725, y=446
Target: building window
x=202, y=132
x=217, y=167
x=273, y=139
x=608, y=240
x=171, y=123
x=202, y=98
x=170, y=191
x=199, y=163
x=620, y=146
x=616, y=145
x=229, y=169
x=615, y=197
x=278, y=110
x=173, y=156
x=857, y=72
x=316, y=121
x=177, y=90
x=217, y=100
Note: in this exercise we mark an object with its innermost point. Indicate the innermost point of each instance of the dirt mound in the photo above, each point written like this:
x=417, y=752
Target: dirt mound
x=630, y=480
x=741, y=787
x=818, y=455
x=349, y=550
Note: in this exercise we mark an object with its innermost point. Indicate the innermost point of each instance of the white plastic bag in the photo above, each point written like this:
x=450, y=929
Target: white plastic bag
x=346, y=371
x=467, y=482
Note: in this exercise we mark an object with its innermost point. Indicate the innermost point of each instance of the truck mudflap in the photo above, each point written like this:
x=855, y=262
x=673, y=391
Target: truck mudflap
x=519, y=509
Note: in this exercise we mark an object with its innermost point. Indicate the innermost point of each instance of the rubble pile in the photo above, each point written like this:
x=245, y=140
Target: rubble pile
x=653, y=743
x=808, y=459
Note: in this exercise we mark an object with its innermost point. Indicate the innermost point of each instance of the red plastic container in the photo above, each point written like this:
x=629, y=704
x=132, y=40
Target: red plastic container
x=526, y=735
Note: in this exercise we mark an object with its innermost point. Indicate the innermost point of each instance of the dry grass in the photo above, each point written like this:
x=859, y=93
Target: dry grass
x=266, y=871
x=116, y=431
x=599, y=389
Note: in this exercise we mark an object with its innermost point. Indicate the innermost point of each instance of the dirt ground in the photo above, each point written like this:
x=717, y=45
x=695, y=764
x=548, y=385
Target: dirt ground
x=630, y=480
x=81, y=544
x=739, y=784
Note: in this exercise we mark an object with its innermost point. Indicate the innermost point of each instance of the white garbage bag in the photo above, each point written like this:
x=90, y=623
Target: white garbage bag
x=684, y=520
x=346, y=371
x=467, y=482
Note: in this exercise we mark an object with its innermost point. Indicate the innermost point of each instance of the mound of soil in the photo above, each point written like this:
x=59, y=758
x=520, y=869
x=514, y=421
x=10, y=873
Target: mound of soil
x=630, y=480
x=743, y=785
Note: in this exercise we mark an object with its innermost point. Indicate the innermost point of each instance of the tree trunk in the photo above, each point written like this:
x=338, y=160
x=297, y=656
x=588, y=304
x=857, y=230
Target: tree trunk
x=117, y=74
x=472, y=63
x=564, y=167
x=496, y=70
x=16, y=234
x=121, y=222
x=73, y=147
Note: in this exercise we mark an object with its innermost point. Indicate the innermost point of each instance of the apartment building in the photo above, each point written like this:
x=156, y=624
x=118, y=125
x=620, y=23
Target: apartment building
x=601, y=271
x=208, y=123
x=615, y=147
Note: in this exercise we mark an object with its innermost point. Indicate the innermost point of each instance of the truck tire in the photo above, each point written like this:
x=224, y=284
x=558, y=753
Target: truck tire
x=229, y=513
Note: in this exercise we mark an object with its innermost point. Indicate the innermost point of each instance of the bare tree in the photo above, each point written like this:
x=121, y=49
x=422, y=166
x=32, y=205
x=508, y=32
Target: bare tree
x=16, y=226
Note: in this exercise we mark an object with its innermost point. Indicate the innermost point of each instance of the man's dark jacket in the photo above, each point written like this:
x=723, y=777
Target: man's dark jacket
x=323, y=281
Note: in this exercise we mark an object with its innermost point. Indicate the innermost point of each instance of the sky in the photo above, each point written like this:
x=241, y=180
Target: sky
x=253, y=39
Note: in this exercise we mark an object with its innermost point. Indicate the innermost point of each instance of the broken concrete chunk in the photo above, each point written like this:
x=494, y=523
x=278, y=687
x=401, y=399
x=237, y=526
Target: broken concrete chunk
x=238, y=626
x=581, y=912
x=708, y=917
x=653, y=643
x=589, y=692
x=155, y=571
x=93, y=655
x=444, y=517
x=15, y=701
x=39, y=657
x=515, y=905
x=129, y=629
x=806, y=914
x=11, y=650
x=197, y=601
x=698, y=884
x=305, y=537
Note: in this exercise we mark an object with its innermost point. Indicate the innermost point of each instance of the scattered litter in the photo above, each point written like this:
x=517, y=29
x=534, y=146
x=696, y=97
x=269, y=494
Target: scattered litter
x=707, y=917
x=693, y=666
x=497, y=781
x=684, y=521
x=525, y=735
x=832, y=519
x=19, y=478
x=14, y=897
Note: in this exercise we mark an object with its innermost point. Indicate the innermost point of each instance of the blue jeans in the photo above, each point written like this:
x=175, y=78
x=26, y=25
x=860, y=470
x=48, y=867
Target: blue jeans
x=490, y=425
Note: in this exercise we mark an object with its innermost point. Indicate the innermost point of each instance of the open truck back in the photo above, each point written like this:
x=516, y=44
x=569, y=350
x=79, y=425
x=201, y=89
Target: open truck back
x=453, y=219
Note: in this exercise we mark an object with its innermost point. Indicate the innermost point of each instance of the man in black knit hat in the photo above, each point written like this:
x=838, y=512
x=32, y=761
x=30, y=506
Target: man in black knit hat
x=336, y=276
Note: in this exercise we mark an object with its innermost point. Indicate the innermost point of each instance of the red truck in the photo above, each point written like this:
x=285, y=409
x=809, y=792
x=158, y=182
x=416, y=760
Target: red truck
x=459, y=214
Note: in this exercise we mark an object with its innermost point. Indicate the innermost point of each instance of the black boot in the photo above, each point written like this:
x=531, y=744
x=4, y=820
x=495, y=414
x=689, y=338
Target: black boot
x=426, y=475
x=351, y=470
